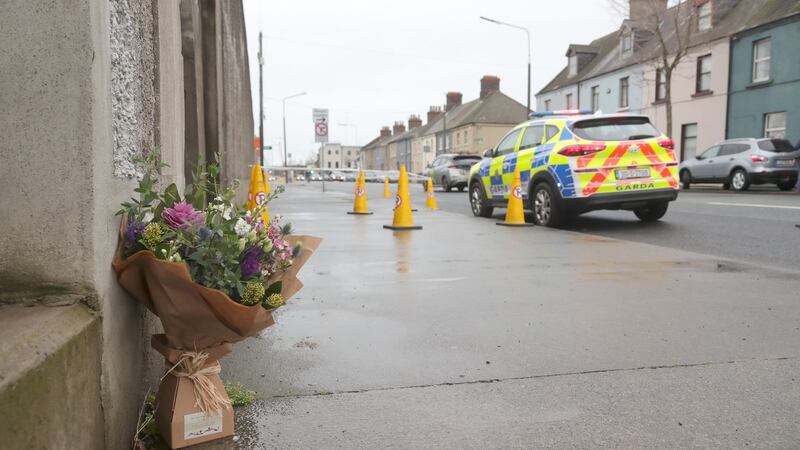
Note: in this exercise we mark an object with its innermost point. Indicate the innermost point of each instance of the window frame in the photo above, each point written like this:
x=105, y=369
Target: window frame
x=568, y=100
x=684, y=127
x=624, y=93
x=699, y=74
x=572, y=61
x=708, y=17
x=661, y=82
x=547, y=105
x=717, y=146
x=764, y=60
x=595, y=96
x=767, y=130
x=547, y=135
x=626, y=44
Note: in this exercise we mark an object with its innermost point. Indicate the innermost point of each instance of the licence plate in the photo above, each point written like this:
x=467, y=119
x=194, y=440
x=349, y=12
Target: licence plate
x=785, y=162
x=627, y=174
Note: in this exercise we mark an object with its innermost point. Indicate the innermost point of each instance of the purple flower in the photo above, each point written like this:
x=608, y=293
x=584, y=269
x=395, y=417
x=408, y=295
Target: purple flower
x=251, y=265
x=133, y=231
x=183, y=215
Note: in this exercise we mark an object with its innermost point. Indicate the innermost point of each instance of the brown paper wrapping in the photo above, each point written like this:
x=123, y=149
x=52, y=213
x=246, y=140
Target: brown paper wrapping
x=196, y=317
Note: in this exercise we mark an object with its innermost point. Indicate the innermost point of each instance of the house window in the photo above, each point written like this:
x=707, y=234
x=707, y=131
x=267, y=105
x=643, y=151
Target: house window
x=547, y=105
x=337, y=164
x=624, y=83
x=348, y=153
x=775, y=125
x=704, y=16
x=703, y=84
x=661, y=84
x=348, y=164
x=337, y=152
x=569, y=101
x=762, y=53
x=688, y=141
x=573, y=65
x=458, y=138
x=627, y=43
x=329, y=164
x=595, y=98
x=465, y=136
x=329, y=152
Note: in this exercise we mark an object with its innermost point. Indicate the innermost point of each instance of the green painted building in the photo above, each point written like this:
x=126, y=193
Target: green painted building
x=764, y=82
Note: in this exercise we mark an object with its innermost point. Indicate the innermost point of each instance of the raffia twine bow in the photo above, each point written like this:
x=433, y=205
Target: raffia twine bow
x=206, y=395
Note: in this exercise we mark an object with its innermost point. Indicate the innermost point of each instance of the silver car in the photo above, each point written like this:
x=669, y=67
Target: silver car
x=451, y=170
x=738, y=163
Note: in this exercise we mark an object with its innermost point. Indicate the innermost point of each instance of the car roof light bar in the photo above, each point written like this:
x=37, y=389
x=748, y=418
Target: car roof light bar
x=564, y=112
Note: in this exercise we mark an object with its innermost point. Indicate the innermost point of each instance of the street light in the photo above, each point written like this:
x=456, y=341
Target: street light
x=285, y=146
x=529, y=51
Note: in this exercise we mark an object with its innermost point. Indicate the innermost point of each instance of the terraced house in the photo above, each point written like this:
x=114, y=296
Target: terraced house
x=467, y=128
x=679, y=58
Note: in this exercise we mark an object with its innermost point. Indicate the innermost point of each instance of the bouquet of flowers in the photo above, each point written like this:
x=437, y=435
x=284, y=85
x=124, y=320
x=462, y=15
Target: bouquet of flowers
x=212, y=270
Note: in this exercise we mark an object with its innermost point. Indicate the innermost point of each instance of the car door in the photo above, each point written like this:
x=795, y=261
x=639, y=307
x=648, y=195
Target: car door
x=532, y=137
x=498, y=189
x=726, y=159
x=703, y=169
x=431, y=172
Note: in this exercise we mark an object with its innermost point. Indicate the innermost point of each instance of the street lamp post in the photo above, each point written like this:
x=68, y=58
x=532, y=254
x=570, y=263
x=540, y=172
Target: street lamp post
x=285, y=146
x=529, y=51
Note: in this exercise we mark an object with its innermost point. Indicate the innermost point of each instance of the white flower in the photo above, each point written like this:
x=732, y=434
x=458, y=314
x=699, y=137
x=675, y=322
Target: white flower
x=242, y=228
x=226, y=211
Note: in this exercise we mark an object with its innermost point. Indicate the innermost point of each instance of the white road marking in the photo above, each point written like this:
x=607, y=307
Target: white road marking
x=753, y=205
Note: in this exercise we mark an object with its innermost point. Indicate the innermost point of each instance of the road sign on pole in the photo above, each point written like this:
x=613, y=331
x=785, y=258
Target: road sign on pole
x=321, y=125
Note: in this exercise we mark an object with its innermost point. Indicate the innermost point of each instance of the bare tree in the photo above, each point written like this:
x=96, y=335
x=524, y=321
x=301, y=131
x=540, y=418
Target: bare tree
x=667, y=37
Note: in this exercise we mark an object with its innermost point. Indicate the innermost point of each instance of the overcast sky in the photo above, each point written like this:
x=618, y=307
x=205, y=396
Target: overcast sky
x=374, y=62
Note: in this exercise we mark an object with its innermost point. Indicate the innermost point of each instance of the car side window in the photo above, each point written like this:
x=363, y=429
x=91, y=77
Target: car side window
x=508, y=144
x=551, y=132
x=710, y=153
x=733, y=149
x=532, y=137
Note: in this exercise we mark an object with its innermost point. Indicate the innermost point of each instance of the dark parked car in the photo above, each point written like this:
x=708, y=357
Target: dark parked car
x=738, y=163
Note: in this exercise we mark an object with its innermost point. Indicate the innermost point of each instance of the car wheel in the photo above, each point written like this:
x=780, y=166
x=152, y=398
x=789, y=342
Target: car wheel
x=787, y=185
x=445, y=186
x=478, y=201
x=651, y=212
x=686, y=179
x=739, y=180
x=546, y=209
x=461, y=189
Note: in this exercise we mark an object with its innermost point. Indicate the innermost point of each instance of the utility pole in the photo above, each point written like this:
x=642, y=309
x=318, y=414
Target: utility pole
x=260, y=100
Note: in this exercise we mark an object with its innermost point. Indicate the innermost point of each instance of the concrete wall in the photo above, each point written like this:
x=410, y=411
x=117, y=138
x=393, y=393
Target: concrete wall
x=749, y=102
x=707, y=111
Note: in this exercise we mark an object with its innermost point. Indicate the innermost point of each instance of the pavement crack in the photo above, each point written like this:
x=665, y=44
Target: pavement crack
x=534, y=377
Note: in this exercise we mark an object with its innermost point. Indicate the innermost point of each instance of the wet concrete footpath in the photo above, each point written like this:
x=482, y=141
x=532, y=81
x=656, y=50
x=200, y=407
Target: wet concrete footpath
x=469, y=335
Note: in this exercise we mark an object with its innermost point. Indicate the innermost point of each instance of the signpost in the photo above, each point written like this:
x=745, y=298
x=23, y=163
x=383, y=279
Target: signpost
x=321, y=137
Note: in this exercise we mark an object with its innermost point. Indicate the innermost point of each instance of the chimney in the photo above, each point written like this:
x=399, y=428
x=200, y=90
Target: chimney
x=386, y=132
x=399, y=127
x=641, y=11
x=489, y=84
x=453, y=100
x=414, y=121
x=433, y=113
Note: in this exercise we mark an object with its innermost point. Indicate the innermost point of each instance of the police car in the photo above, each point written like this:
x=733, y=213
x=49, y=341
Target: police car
x=572, y=162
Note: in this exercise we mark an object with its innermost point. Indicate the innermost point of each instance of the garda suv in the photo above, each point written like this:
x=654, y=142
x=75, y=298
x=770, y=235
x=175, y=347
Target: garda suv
x=572, y=162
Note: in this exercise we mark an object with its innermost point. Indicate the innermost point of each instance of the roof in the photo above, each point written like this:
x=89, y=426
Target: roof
x=495, y=108
x=577, y=48
x=729, y=17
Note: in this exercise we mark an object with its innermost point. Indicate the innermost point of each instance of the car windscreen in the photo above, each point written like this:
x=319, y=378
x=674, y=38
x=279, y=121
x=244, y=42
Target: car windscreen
x=776, y=145
x=615, y=129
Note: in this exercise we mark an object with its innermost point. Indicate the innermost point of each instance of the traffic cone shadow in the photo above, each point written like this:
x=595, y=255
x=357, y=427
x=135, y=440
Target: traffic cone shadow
x=515, y=216
x=402, y=206
x=360, y=201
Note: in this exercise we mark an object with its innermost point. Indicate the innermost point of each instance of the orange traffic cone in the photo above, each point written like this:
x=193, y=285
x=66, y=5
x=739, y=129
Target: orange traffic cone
x=402, y=206
x=387, y=193
x=258, y=192
x=430, y=201
x=515, y=217
x=360, y=202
